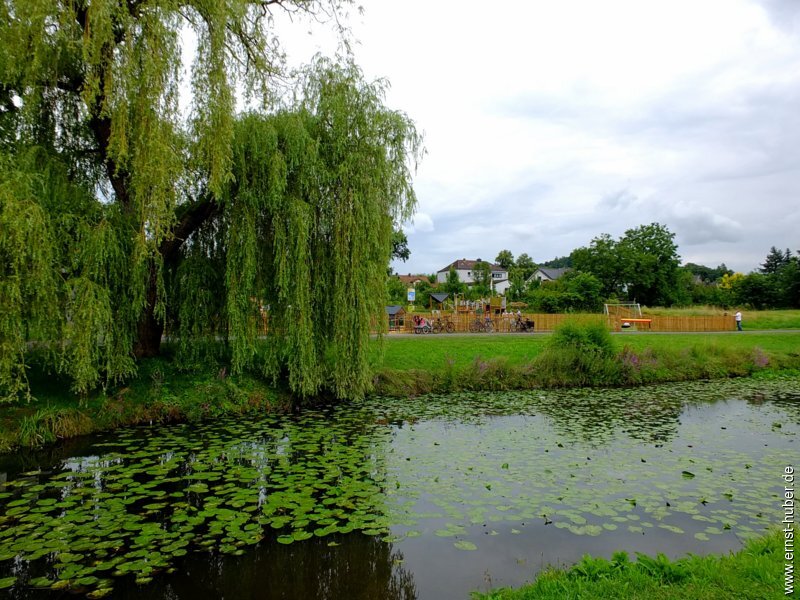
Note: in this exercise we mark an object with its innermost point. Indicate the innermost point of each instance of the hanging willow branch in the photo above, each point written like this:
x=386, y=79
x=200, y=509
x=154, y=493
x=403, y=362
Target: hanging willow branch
x=307, y=220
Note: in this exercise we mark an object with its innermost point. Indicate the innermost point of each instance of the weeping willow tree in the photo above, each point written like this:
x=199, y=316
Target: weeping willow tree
x=119, y=217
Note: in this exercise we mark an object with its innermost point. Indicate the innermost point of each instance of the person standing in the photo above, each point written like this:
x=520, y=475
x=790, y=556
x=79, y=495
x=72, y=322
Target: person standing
x=738, y=318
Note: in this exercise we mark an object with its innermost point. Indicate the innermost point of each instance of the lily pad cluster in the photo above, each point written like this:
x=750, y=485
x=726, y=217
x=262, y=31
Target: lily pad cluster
x=645, y=461
x=155, y=494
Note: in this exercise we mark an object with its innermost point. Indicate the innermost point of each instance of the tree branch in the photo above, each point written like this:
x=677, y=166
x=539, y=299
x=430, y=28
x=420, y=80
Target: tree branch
x=189, y=221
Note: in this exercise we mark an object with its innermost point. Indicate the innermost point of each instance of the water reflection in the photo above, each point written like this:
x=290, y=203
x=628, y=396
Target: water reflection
x=356, y=567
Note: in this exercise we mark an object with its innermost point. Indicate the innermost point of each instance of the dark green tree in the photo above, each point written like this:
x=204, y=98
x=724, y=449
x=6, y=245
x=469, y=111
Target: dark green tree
x=585, y=288
x=756, y=290
x=649, y=262
x=524, y=266
x=789, y=283
x=424, y=290
x=395, y=290
x=119, y=217
x=561, y=262
x=453, y=284
x=708, y=274
x=400, y=248
x=775, y=261
x=602, y=259
x=482, y=277
x=505, y=259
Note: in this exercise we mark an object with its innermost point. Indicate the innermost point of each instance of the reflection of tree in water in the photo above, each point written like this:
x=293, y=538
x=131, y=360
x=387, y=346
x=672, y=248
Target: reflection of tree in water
x=359, y=568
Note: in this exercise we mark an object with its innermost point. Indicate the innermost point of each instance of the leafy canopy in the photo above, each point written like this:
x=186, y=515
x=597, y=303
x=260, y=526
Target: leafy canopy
x=120, y=217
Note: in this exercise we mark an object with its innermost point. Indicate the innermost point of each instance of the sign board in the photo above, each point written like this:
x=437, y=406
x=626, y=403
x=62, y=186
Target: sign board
x=412, y=294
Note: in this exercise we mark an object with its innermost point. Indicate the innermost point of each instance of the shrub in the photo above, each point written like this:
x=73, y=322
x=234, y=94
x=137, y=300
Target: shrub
x=593, y=338
x=579, y=354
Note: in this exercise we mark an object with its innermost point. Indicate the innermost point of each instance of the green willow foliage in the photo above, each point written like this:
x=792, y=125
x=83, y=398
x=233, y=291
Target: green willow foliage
x=119, y=217
x=305, y=231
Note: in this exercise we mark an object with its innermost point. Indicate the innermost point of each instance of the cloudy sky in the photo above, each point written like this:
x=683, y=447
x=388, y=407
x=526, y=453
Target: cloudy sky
x=549, y=123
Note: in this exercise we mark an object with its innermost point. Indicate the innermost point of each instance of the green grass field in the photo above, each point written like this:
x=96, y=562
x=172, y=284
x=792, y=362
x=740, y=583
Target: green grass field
x=434, y=353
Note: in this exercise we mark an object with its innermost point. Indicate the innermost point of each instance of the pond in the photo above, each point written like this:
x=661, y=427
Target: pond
x=422, y=498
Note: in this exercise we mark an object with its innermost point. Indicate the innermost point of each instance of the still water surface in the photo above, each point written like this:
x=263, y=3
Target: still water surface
x=423, y=498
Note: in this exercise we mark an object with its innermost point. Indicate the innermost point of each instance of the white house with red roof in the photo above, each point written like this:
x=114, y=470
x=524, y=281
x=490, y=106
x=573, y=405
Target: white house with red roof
x=466, y=269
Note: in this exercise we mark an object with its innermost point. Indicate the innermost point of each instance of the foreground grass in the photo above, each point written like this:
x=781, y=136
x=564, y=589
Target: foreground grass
x=437, y=352
x=755, y=572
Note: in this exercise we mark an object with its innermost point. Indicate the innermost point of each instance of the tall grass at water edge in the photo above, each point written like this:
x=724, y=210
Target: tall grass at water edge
x=755, y=572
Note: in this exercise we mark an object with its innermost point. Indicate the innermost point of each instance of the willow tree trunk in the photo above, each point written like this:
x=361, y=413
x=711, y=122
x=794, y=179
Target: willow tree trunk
x=149, y=329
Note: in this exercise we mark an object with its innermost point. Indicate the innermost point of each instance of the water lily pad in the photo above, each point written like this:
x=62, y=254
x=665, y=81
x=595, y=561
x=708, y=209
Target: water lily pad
x=465, y=545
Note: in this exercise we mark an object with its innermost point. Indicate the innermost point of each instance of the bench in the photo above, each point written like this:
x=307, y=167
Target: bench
x=643, y=321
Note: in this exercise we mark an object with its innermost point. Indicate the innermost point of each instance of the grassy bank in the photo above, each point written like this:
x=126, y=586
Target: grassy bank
x=755, y=572
x=445, y=364
x=434, y=351
x=161, y=393
x=406, y=366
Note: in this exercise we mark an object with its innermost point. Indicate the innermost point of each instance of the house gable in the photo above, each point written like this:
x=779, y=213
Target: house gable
x=465, y=269
x=547, y=274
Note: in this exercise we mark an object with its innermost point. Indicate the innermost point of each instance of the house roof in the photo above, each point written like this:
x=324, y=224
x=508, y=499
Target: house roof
x=467, y=265
x=410, y=279
x=553, y=273
x=394, y=309
x=439, y=297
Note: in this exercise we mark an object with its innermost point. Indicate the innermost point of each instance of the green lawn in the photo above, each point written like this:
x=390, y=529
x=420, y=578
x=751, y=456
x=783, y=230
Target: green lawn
x=432, y=352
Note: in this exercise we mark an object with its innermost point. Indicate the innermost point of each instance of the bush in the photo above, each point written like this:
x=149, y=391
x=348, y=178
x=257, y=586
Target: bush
x=579, y=354
x=593, y=338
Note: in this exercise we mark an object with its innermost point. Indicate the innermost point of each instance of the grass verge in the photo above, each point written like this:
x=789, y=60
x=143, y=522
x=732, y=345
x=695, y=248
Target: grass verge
x=755, y=572
x=449, y=364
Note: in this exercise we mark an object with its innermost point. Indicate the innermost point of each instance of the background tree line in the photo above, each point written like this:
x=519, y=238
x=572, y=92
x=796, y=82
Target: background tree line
x=643, y=266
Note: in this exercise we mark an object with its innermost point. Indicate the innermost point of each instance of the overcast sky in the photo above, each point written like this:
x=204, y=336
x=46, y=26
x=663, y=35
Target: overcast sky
x=549, y=123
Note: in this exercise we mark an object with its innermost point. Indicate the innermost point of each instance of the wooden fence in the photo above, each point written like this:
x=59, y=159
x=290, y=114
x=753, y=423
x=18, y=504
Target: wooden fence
x=503, y=323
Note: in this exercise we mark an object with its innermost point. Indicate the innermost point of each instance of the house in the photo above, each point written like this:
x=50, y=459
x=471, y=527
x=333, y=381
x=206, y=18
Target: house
x=547, y=274
x=501, y=286
x=465, y=269
x=396, y=316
